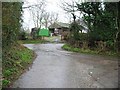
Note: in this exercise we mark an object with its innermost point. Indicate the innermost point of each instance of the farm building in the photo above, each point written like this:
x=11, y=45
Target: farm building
x=58, y=28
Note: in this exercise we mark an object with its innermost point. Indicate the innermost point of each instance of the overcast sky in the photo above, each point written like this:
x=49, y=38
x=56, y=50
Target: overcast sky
x=52, y=6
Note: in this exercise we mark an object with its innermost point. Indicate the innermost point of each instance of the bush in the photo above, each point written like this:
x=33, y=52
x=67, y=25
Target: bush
x=110, y=45
x=75, y=28
x=22, y=35
x=5, y=82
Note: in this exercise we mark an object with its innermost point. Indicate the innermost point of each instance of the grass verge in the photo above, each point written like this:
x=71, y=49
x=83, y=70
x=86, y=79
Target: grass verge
x=31, y=41
x=15, y=62
x=88, y=51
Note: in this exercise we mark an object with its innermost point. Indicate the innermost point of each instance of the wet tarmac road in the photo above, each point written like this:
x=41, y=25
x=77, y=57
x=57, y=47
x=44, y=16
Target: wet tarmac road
x=56, y=68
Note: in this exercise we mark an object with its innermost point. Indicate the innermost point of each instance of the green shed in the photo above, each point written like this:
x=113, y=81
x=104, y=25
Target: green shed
x=44, y=32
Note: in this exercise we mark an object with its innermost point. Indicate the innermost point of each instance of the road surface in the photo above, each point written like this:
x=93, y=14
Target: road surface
x=56, y=68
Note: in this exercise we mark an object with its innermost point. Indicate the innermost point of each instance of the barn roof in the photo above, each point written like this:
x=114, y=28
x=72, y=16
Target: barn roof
x=59, y=25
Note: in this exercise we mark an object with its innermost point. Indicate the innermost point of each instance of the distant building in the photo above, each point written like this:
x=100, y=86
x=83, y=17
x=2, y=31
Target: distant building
x=83, y=24
x=58, y=28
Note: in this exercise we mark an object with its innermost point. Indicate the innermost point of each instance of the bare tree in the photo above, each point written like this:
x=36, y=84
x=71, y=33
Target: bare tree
x=49, y=18
x=39, y=15
x=37, y=12
x=69, y=7
x=53, y=17
x=69, y=17
x=46, y=19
